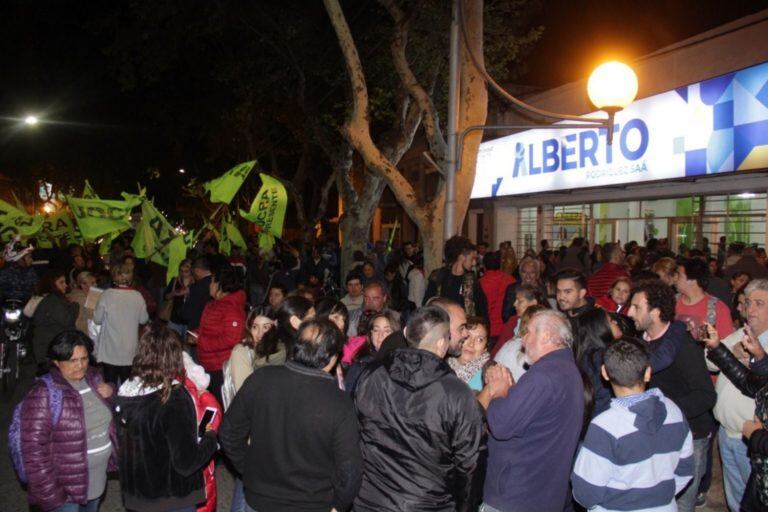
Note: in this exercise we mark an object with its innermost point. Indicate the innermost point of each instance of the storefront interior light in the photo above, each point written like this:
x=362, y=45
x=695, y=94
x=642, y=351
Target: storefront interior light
x=612, y=86
x=746, y=195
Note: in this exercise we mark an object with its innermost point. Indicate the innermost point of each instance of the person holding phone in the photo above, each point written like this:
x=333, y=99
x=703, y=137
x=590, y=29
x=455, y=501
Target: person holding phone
x=161, y=457
x=741, y=358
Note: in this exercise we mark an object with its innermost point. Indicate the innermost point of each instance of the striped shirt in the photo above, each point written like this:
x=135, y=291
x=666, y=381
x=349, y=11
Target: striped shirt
x=636, y=456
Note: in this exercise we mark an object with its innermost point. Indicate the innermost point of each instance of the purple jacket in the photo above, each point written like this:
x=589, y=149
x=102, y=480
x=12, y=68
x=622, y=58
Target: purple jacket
x=55, y=459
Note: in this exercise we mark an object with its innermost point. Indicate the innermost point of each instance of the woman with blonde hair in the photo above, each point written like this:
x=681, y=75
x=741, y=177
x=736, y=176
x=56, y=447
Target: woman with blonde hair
x=83, y=283
x=120, y=312
x=665, y=268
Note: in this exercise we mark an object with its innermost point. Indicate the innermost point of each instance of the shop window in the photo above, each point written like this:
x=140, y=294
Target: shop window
x=526, y=233
x=569, y=222
x=738, y=217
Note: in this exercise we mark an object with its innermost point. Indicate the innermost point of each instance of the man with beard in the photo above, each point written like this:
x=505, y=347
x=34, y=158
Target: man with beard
x=421, y=428
x=686, y=382
x=572, y=293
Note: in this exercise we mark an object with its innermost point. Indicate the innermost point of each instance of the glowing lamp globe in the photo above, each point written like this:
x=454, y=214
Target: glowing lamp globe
x=612, y=86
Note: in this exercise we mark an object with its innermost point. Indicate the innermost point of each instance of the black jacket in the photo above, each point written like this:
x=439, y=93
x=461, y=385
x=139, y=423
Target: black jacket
x=442, y=283
x=304, y=451
x=199, y=296
x=161, y=460
x=686, y=381
x=421, y=432
x=754, y=386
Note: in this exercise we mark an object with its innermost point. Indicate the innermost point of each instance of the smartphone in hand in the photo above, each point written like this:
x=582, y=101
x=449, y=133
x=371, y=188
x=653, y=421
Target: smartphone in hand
x=208, y=416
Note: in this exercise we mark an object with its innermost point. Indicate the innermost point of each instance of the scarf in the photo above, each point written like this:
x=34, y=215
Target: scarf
x=465, y=372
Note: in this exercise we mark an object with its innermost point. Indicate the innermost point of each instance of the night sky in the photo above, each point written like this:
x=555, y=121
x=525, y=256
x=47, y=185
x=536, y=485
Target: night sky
x=53, y=63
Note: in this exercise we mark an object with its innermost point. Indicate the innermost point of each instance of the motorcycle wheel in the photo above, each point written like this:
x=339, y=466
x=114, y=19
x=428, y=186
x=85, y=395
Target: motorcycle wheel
x=10, y=366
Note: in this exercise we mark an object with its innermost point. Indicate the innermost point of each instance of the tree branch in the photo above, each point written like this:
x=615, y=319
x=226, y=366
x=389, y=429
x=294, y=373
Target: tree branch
x=430, y=117
x=356, y=129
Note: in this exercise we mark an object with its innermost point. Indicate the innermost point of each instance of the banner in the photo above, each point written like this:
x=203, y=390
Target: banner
x=268, y=208
x=14, y=221
x=153, y=235
x=177, y=251
x=224, y=188
x=59, y=226
x=98, y=217
x=716, y=126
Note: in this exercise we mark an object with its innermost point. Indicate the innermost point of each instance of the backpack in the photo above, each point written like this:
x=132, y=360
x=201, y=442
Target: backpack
x=14, y=431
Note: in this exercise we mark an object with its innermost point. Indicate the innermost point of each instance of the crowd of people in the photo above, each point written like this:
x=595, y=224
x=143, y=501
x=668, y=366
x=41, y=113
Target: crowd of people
x=583, y=377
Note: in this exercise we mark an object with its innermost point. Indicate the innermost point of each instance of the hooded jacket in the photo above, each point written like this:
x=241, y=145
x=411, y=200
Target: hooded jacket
x=641, y=438
x=55, y=458
x=421, y=433
x=221, y=328
x=161, y=467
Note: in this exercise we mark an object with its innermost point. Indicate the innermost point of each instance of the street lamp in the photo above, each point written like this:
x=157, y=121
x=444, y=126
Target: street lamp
x=31, y=120
x=611, y=87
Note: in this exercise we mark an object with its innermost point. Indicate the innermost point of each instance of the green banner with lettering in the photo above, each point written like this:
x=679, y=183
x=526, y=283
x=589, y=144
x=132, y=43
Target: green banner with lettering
x=99, y=217
x=177, y=251
x=153, y=235
x=224, y=188
x=14, y=221
x=268, y=208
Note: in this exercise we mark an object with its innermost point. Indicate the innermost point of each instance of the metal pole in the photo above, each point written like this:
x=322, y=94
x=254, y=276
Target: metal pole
x=454, y=95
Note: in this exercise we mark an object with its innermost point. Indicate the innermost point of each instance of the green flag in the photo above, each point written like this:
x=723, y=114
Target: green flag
x=268, y=208
x=266, y=241
x=229, y=235
x=153, y=234
x=177, y=251
x=59, y=226
x=98, y=217
x=14, y=221
x=224, y=188
x=106, y=242
x=88, y=192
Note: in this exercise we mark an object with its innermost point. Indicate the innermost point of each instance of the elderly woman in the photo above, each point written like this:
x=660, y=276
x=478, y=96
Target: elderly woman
x=120, y=311
x=83, y=283
x=161, y=456
x=468, y=366
x=68, y=449
x=54, y=314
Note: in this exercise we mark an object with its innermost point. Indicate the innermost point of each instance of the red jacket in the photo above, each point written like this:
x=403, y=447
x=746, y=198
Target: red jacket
x=494, y=283
x=221, y=328
x=202, y=401
x=607, y=303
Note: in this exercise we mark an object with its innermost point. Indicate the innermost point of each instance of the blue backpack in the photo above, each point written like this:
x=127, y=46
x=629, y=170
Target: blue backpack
x=14, y=431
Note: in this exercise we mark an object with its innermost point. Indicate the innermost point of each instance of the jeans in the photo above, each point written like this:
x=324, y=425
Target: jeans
x=736, y=468
x=238, y=496
x=686, y=502
x=91, y=506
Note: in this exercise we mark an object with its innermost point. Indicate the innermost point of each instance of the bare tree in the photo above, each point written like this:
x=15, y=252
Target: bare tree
x=428, y=215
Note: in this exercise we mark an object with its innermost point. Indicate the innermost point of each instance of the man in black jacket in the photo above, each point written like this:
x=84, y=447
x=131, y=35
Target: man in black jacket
x=686, y=381
x=421, y=427
x=292, y=433
x=457, y=280
x=199, y=293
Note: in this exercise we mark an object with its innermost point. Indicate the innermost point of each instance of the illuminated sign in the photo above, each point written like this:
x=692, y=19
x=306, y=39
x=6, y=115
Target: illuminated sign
x=719, y=125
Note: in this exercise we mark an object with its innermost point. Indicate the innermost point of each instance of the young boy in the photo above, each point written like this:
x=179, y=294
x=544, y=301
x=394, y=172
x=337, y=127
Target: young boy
x=638, y=454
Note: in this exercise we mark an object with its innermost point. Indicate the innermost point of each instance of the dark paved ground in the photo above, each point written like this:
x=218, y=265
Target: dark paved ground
x=13, y=498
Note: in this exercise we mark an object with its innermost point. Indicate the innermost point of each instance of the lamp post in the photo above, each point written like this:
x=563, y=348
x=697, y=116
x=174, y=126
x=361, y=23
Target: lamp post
x=611, y=87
